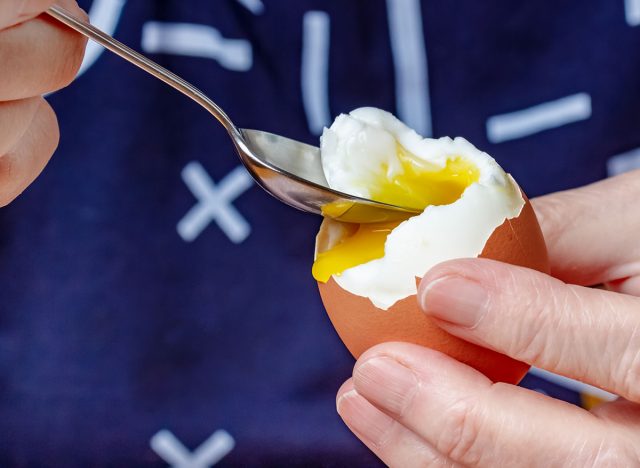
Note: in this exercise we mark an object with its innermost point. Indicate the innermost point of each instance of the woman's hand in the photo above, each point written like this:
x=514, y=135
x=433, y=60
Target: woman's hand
x=37, y=55
x=414, y=407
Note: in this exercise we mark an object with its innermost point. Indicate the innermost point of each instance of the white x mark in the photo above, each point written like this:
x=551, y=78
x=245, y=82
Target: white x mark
x=215, y=203
x=210, y=452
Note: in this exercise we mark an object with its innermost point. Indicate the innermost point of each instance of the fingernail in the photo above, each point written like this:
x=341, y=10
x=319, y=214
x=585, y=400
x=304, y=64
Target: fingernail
x=367, y=421
x=386, y=383
x=456, y=300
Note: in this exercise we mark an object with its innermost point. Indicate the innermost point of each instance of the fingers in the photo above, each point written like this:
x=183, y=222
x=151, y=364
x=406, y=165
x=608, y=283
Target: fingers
x=38, y=56
x=16, y=11
x=31, y=151
x=588, y=232
x=471, y=421
x=393, y=443
x=15, y=119
x=587, y=334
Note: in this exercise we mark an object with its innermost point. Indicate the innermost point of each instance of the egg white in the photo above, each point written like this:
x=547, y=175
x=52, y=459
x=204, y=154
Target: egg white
x=353, y=151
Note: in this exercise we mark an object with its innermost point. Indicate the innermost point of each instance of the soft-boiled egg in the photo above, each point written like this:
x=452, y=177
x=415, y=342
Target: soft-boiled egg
x=368, y=274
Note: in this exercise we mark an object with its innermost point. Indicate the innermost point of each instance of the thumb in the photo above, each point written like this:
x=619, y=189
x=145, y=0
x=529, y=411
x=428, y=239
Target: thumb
x=581, y=333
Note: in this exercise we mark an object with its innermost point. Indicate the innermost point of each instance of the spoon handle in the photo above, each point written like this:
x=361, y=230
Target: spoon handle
x=143, y=63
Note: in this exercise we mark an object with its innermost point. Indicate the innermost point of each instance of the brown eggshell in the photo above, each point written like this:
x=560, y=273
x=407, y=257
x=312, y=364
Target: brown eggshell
x=361, y=325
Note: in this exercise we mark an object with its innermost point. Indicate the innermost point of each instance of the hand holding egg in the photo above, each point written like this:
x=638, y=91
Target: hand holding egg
x=415, y=406
x=368, y=274
x=37, y=55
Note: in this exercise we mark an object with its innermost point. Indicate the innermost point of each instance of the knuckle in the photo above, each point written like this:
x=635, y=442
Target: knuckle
x=531, y=335
x=530, y=340
x=459, y=438
x=539, y=336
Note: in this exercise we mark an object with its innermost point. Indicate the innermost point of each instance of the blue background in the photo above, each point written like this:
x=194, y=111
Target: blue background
x=112, y=327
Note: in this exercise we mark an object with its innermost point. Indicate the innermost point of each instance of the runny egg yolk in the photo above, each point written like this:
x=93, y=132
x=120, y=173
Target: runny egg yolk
x=418, y=185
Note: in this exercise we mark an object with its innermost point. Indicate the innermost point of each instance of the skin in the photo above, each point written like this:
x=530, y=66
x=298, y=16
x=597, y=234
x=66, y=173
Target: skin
x=42, y=56
x=416, y=407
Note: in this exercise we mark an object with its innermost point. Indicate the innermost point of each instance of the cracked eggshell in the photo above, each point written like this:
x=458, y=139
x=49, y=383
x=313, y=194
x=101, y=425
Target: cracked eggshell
x=361, y=325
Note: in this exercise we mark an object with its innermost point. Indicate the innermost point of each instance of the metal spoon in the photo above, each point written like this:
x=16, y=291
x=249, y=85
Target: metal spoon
x=287, y=169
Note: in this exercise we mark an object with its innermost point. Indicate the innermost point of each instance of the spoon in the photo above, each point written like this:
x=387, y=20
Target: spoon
x=289, y=170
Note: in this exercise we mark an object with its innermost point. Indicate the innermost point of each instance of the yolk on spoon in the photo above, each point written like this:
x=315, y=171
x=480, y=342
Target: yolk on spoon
x=420, y=184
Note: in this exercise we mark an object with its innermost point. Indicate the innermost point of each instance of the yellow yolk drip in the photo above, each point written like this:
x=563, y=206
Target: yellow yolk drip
x=418, y=185
x=364, y=244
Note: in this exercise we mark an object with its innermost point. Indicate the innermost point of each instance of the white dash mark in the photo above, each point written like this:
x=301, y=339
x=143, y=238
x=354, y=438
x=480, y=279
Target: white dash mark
x=254, y=6
x=571, y=384
x=553, y=114
x=410, y=64
x=632, y=12
x=104, y=14
x=197, y=40
x=215, y=203
x=624, y=162
x=315, y=70
x=210, y=452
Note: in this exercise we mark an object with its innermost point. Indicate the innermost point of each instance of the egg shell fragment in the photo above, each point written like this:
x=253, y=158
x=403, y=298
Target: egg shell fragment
x=361, y=325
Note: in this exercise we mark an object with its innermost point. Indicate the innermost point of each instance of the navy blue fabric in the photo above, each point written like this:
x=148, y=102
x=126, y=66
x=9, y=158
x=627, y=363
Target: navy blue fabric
x=112, y=327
